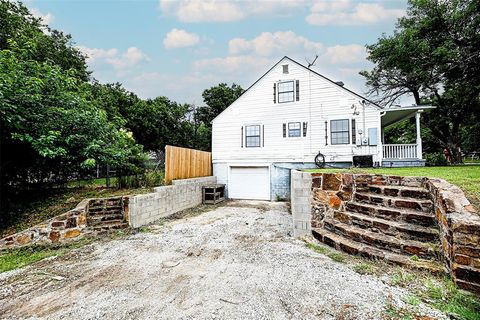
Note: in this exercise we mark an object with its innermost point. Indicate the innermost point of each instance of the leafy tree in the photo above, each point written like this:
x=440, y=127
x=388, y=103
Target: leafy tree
x=434, y=56
x=48, y=127
x=158, y=122
x=52, y=126
x=114, y=99
x=17, y=24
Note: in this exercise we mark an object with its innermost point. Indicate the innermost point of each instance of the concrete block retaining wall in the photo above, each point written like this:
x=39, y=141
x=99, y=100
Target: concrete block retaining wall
x=166, y=200
x=312, y=194
x=301, y=202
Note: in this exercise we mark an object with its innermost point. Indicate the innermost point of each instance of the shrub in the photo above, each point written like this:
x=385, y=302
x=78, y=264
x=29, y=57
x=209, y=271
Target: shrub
x=146, y=179
x=435, y=159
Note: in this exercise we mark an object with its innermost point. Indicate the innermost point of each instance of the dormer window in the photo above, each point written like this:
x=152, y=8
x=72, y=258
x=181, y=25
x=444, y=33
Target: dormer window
x=285, y=68
x=286, y=91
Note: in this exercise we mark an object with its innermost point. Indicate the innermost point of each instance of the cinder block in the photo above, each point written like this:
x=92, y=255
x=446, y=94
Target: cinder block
x=302, y=217
x=297, y=233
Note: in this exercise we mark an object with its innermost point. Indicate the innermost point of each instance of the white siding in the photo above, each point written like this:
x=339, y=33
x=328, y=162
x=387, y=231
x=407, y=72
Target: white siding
x=320, y=101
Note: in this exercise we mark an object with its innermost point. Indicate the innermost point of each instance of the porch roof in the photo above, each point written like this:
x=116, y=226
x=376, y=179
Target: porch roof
x=395, y=114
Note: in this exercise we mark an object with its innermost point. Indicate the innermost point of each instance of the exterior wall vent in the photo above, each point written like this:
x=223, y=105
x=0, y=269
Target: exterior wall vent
x=285, y=68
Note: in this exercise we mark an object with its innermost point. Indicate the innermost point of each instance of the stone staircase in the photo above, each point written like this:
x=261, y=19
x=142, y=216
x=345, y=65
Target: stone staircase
x=388, y=222
x=106, y=215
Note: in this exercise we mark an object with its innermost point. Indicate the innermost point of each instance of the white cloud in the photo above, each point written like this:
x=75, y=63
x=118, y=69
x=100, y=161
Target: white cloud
x=131, y=57
x=47, y=18
x=277, y=43
x=94, y=54
x=232, y=64
x=192, y=11
x=203, y=11
x=180, y=39
x=348, y=54
x=345, y=12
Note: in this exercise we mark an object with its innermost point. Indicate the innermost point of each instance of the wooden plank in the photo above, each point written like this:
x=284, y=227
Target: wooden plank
x=183, y=163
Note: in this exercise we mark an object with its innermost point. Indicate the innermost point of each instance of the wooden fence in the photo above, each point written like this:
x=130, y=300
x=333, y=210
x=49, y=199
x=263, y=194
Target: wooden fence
x=183, y=163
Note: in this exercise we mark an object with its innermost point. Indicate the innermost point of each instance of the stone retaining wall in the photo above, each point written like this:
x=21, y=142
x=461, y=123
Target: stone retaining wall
x=313, y=194
x=63, y=228
x=166, y=200
x=459, y=226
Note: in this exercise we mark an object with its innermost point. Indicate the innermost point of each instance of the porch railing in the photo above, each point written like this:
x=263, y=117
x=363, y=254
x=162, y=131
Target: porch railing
x=400, y=151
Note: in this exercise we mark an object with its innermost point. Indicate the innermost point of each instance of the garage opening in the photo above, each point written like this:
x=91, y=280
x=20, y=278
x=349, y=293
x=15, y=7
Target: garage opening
x=249, y=183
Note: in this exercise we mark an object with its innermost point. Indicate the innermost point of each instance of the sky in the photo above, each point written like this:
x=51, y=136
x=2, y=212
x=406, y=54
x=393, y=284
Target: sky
x=179, y=48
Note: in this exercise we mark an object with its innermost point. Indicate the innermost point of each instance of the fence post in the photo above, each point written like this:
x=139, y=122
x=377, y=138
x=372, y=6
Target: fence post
x=107, y=176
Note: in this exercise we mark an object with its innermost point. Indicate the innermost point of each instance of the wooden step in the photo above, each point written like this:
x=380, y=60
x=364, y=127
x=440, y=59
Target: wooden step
x=396, y=191
x=394, y=214
x=395, y=202
x=401, y=230
x=341, y=243
x=382, y=241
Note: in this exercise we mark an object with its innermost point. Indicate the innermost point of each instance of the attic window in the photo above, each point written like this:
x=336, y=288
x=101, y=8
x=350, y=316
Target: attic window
x=285, y=91
x=285, y=68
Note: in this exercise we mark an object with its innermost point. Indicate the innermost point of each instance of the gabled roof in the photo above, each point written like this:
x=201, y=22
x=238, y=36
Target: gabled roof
x=314, y=72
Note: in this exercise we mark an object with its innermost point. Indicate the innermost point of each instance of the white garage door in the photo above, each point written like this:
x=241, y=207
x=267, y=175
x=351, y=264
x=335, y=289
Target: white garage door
x=249, y=183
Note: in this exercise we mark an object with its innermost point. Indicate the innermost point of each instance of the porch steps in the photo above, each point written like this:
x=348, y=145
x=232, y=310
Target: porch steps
x=388, y=221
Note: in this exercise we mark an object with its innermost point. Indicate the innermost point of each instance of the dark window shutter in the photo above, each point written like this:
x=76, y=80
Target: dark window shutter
x=305, y=129
x=354, y=132
x=274, y=93
x=242, y=138
x=284, y=130
x=326, y=133
x=263, y=136
x=297, y=90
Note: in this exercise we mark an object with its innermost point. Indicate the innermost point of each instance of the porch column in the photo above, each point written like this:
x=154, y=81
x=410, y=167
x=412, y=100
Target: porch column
x=419, y=136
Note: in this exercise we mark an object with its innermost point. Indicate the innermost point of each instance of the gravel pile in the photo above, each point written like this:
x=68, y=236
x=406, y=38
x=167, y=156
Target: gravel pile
x=235, y=262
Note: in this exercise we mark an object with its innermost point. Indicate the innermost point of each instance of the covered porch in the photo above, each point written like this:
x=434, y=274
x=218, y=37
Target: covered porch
x=402, y=155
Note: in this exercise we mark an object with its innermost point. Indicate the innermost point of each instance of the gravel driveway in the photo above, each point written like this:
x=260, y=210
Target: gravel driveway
x=238, y=261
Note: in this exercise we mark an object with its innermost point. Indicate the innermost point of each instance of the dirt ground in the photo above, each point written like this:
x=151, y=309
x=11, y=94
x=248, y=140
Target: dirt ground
x=238, y=261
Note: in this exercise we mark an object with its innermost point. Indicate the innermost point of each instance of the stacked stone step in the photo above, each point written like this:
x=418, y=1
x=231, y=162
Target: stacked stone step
x=385, y=219
x=106, y=214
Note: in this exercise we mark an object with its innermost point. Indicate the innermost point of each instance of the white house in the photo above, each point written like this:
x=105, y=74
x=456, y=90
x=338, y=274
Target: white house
x=290, y=115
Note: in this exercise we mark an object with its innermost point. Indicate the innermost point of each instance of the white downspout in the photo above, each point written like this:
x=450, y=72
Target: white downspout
x=382, y=139
x=419, y=136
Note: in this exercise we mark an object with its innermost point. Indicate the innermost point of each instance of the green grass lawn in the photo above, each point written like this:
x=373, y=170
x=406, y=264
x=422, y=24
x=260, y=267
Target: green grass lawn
x=17, y=258
x=465, y=177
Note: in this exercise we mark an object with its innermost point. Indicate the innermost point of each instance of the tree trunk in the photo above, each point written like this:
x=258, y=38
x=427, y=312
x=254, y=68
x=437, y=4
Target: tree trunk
x=416, y=96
